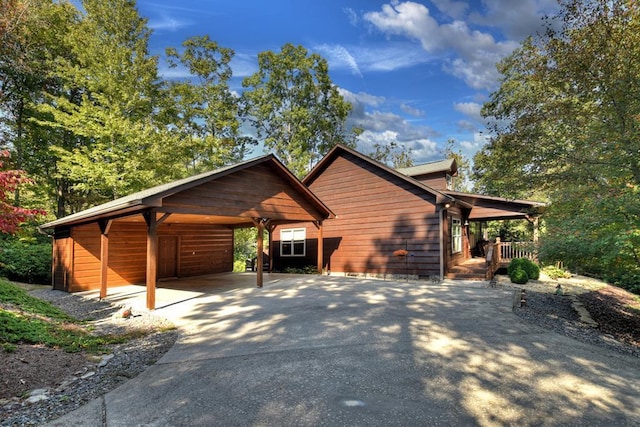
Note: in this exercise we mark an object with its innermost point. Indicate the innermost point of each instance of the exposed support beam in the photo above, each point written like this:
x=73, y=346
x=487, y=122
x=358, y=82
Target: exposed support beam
x=318, y=225
x=163, y=218
x=105, y=226
x=260, y=224
x=152, y=257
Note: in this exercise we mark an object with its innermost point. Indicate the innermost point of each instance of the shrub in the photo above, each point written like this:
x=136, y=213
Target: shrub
x=555, y=272
x=531, y=268
x=515, y=264
x=26, y=262
x=519, y=276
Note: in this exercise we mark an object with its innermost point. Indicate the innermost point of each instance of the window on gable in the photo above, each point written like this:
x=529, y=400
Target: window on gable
x=456, y=235
x=449, y=182
x=293, y=242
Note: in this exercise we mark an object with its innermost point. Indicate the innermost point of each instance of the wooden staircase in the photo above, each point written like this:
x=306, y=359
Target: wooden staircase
x=471, y=269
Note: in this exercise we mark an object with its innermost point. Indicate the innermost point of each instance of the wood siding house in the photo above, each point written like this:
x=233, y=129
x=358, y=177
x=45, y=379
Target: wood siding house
x=181, y=229
x=380, y=211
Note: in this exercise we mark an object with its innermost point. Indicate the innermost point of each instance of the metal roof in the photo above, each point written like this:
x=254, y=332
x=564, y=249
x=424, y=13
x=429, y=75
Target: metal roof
x=447, y=165
x=151, y=197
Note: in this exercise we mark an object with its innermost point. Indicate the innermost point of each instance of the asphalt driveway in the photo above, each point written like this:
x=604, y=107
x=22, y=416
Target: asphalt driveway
x=309, y=351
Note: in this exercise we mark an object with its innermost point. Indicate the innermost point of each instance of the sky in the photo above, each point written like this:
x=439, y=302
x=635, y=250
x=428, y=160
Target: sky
x=416, y=72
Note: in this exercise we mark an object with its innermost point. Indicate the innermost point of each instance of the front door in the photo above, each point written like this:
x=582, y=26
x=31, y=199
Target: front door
x=167, y=257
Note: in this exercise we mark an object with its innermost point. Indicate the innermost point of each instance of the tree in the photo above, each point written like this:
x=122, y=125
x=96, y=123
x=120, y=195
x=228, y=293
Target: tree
x=12, y=216
x=392, y=154
x=32, y=33
x=451, y=152
x=295, y=108
x=202, y=109
x=567, y=124
x=106, y=105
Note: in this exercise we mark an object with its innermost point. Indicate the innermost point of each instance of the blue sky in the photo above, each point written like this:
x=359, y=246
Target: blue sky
x=416, y=72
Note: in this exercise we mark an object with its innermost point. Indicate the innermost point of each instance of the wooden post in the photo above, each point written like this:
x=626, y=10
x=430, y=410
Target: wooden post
x=318, y=225
x=105, y=226
x=260, y=225
x=152, y=258
x=270, y=229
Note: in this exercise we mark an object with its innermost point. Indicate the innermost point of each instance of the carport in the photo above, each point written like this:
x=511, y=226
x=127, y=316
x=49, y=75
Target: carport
x=180, y=229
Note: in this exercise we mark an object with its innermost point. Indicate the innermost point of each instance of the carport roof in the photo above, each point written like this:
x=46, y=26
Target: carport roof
x=152, y=197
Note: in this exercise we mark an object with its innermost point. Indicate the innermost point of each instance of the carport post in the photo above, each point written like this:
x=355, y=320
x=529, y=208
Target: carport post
x=152, y=258
x=260, y=224
x=318, y=224
x=104, y=255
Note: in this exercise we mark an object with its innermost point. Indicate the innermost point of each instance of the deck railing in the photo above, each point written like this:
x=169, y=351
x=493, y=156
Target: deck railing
x=500, y=254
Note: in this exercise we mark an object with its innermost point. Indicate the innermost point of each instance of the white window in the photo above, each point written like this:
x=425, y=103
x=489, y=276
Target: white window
x=292, y=242
x=456, y=235
x=449, y=182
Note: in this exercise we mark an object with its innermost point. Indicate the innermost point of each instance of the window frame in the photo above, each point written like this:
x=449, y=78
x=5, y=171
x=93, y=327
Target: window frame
x=456, y=238
x=298, y=236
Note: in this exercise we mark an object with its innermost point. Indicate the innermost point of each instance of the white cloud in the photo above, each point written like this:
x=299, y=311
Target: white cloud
x=339, y=57
x=361, y=98
x=470, y=109
x=168, y=23
x=516, y=19
x=473, y=53
x=455, y=9
x=411, y=110
x=352, y=15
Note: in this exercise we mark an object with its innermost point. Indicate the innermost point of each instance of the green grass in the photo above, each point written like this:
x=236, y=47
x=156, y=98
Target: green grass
x=25, y=319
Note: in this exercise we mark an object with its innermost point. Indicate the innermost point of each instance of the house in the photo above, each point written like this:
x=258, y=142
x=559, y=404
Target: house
x=382, y=212
x=180, y=229
x=351, y=215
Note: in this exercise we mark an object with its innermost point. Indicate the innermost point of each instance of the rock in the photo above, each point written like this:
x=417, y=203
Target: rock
x=37, y=395
x=105, y=359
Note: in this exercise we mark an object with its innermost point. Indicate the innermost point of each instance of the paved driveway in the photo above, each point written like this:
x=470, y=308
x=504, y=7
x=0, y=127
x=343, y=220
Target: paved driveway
x=308, y=351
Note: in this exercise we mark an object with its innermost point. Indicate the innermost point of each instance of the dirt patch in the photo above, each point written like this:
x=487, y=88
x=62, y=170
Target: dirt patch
x=616, y=311
x=31, y=367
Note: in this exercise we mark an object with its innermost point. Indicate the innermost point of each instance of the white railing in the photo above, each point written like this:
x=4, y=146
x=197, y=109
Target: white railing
x=511, y=250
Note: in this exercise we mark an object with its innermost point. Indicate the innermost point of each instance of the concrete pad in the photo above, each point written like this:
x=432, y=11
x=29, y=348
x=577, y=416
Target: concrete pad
x=310, y=350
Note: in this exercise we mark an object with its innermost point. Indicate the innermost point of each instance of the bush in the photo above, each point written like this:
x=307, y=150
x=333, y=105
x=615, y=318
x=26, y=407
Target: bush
x=529, y=267
x=519, y=276
x=555, y=272
x=26, y=262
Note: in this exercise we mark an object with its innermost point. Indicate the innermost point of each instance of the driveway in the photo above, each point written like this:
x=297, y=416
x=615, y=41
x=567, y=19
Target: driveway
x=330, y=351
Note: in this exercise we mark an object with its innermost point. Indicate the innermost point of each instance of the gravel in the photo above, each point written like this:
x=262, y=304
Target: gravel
x=97, y=375
x=556, y=312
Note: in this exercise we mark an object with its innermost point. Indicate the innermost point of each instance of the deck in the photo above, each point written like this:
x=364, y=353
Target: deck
x=498, y=256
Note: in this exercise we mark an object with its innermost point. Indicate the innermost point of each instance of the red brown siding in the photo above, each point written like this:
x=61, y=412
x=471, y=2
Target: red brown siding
x=377, y=213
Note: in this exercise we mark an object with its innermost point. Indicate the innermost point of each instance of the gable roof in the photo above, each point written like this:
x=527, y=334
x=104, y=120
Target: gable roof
x=152, y=197
x=447, y=165
x=339, y=149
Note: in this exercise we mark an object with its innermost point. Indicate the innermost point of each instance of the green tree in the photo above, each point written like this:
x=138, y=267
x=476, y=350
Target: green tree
x=202, y=109
x=295, y=108
x=106, y=105
x=393, y=154
x=452, y=152
x=567, y=124
x=32, y=33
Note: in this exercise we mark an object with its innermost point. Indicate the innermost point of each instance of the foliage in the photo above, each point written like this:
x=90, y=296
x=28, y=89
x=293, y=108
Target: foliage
x=12, y=216
x=239, y=266
x=294, y=107
x=519, y=276
x=25, y=261
x=461, y=182
x=567, y=126
x=394, y=155
x=517, y=266
x=105, y=101
x=555, y=272
x=307, y=269
x=25, y=319
x=202, y=109
x=245, y=247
